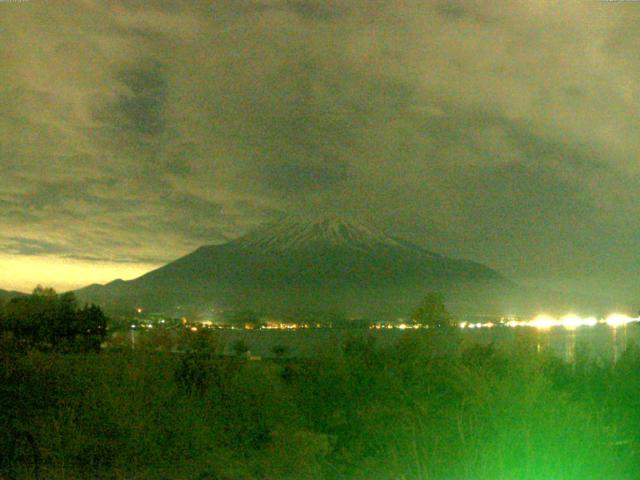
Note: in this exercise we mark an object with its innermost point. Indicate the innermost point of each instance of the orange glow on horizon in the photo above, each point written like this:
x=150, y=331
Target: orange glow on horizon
x=24, y=273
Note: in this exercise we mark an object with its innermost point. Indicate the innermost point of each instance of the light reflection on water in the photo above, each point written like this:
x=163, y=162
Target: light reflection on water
x=599, y=343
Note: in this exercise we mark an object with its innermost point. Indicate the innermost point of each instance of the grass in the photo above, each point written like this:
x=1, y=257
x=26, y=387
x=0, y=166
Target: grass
x=361, y=412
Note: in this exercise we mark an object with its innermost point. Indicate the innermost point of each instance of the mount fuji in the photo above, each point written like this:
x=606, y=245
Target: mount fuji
x=298, y=264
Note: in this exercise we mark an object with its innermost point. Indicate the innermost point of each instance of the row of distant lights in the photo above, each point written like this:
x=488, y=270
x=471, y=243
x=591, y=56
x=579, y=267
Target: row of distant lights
x=569, y=322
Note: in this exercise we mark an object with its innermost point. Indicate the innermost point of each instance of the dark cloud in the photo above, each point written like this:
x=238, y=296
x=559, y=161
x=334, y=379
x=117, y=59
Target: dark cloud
x=137, y=113
x=301, y=179
x=451, y=9
x=178, y=161
x=135, y=131
x=465, y=10
x=315, y=9
x=141, y=108
x=30, y=246
x=50, y=195
x=116, y=260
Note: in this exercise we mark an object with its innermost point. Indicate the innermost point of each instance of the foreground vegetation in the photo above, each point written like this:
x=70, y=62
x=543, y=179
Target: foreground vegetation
x=359, y=412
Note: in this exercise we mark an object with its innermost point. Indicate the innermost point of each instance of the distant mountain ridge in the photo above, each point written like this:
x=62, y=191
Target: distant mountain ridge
x=323, y=265
x=8, y=295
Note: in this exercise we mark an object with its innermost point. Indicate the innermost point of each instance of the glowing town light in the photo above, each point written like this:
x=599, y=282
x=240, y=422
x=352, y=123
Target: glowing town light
x=543, y=322
x=571, y=321
x=515, y=323
x=619, y=319
x=472, y=325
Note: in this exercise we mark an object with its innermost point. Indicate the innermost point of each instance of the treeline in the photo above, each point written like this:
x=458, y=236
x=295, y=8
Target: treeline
x=46, y=320
x=357, y=411
x=431, y=312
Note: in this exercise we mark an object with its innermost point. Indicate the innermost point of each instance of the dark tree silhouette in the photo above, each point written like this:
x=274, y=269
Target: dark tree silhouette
x=240, y=347
x=279, y=351
x=90, y=328
x=432, y=311
x=245, y=319
x=46, y=320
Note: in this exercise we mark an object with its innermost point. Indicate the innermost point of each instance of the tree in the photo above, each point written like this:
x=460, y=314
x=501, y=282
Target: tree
x=240, y=347
x=46, y=320
x=90, y=328
x=245, y=319
x=432, y=311
x=33, y=319
x=279, y=351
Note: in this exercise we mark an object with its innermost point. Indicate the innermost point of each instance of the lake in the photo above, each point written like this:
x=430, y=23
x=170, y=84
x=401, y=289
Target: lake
x=600, y=342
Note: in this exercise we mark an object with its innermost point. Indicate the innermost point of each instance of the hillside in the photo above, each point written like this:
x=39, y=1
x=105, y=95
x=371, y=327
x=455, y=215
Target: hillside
x=8, y=295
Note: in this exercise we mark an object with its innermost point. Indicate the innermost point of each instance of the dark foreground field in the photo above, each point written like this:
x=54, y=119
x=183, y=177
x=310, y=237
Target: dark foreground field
x=360, y=412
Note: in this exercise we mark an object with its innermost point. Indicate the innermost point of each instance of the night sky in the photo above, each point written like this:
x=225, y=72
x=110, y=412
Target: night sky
x=132, y=132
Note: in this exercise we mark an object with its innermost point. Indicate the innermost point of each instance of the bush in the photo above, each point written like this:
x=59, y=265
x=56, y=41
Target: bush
x=400, y=411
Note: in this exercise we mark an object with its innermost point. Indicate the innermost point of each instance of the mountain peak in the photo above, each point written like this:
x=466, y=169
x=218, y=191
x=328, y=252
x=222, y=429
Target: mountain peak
x=294, y=264
x=332, y=231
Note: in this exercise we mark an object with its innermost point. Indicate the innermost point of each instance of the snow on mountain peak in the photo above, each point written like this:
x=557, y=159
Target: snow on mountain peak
x=299, y=233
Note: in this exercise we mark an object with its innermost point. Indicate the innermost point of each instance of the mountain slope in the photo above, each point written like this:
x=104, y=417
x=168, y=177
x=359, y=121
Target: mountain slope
x=5, y=295
x=298, y=264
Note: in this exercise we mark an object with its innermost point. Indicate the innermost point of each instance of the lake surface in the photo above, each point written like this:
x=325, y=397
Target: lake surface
x=600, y=342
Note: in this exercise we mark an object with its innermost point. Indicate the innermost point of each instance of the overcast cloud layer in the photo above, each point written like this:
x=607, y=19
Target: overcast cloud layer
x=134, y=131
